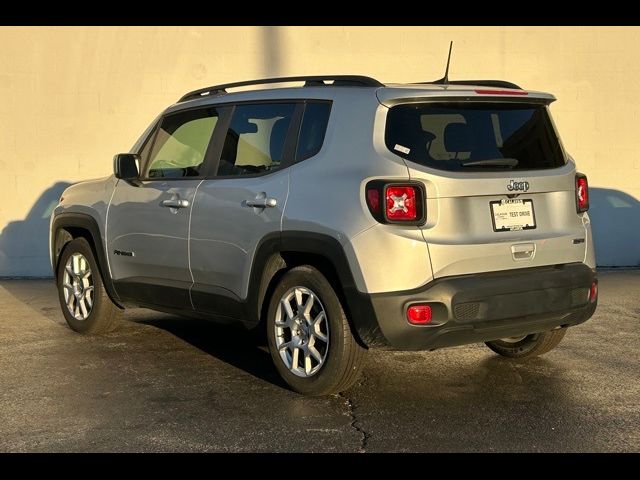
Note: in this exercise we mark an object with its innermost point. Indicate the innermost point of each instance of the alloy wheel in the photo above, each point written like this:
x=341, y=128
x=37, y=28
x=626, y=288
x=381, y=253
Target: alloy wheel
x=78, y=287
x=302, y=331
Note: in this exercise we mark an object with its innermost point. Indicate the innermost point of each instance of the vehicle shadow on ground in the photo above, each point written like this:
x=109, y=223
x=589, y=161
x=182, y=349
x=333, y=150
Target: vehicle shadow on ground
x=24, y=244
x=244, y=350
x=483, y=403
x=239, y=348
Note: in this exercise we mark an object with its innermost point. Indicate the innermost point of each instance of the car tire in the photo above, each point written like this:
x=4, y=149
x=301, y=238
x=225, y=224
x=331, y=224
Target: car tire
x=530, y=346
x=85, y=303
x=329, y=357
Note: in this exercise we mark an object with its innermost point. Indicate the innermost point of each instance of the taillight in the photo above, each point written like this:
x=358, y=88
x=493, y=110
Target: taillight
x=419, y=314
x=396, y=202
x=400, y=203
x=582, y=193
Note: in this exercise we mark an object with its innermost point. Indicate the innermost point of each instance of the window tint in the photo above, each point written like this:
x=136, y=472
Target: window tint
x=448, y=136
x=314, y=126
x=255, y=139
x=181, y=143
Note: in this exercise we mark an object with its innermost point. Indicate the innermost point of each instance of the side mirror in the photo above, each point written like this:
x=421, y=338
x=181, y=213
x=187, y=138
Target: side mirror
x=125, y=166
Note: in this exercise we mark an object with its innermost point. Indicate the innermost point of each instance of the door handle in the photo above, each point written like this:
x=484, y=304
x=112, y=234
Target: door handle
x=175, y=203
x=261, y=202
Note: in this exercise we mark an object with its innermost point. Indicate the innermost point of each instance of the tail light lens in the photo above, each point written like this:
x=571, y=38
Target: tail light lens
x=582, y=193
x=401, y=203
x=396, y=202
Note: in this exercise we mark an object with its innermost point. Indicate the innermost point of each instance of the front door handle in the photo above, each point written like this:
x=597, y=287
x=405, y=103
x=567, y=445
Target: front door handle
x=261, y=202
x=175, y=203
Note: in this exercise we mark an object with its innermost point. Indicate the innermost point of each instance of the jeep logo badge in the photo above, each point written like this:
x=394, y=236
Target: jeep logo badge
x=515, y=186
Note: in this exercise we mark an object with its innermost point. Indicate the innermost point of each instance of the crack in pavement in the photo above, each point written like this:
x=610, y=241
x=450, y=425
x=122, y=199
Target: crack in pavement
x=355, y=423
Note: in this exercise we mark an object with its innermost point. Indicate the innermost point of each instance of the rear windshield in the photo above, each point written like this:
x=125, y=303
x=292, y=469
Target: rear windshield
x=468, y=136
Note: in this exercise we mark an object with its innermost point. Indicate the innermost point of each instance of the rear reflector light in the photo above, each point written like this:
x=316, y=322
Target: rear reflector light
x=373, y=200
x=419, y=314
x=582, y=193
x=593, y=292
x=501, y=92
x=401, y=203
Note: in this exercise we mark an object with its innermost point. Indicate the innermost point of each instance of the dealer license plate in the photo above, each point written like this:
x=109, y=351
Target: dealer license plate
x=512, y=214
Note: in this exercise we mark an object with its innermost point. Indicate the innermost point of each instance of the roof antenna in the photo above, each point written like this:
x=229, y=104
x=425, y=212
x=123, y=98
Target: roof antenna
x=445, y=80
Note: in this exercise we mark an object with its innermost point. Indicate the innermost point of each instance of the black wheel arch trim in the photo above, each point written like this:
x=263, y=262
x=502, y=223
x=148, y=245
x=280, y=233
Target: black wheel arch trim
x=88, y=223
x=359, y=307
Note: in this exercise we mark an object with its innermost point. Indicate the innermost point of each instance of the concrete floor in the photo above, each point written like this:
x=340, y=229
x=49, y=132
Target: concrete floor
x=163, y=383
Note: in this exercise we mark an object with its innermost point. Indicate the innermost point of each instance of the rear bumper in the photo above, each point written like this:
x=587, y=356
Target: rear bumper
x=478, y=308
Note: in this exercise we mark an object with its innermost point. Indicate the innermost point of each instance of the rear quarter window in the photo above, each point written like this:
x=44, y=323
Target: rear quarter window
x=313, y=129
x=468, y=136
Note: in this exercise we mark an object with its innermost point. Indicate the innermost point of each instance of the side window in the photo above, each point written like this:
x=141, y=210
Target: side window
x=181, y=144
x=256, y=138
x=314, y=126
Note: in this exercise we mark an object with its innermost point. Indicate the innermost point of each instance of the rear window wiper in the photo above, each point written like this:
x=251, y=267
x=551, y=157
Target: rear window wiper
x=492, y=162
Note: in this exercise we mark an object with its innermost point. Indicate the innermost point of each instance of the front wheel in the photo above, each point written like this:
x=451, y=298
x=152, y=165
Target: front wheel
x=527, y=345
x=310, y=339
x=85, y=303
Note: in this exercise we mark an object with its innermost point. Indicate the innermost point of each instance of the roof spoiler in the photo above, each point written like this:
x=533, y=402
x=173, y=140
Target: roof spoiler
x=480, y=83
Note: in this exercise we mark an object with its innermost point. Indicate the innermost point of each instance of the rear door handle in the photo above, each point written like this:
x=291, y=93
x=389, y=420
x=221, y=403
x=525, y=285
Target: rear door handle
x=262, y=203
x=175, y=203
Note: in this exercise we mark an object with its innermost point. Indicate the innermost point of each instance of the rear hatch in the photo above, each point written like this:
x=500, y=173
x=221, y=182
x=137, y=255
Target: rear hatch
x=500, y=188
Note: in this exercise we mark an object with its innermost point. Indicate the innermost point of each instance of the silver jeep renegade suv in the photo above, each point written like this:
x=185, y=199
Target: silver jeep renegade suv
x=340, y=215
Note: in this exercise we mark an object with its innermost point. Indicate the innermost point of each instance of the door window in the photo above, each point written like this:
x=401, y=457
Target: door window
x=255, y=141
x=181, y=144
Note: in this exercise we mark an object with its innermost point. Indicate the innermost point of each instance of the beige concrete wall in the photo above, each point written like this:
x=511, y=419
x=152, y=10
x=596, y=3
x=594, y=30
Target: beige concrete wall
x=71, y=97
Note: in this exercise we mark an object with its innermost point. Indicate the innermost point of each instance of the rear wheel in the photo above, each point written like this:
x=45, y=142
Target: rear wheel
x=84, y=301
x=310, y=339
x=527, y=345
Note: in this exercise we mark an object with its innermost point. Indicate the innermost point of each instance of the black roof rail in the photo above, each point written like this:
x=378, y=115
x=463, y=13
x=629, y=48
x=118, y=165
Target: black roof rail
x=310, y=81
x=480, y=83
